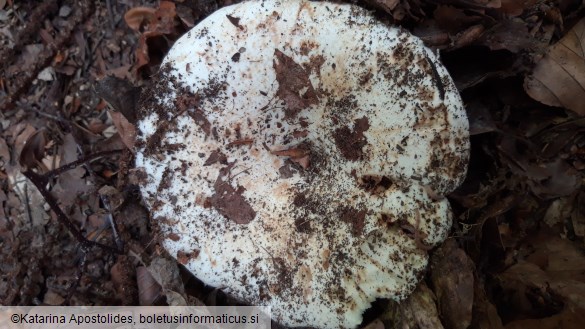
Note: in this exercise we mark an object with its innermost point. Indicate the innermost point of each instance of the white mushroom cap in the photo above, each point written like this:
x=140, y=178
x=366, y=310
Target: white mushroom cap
x=297, y=154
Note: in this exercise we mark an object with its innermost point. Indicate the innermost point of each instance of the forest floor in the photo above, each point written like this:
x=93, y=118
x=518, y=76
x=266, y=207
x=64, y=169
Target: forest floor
x=515, y=257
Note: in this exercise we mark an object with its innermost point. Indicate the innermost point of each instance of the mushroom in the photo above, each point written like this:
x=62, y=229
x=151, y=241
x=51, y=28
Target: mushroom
x=297, y=154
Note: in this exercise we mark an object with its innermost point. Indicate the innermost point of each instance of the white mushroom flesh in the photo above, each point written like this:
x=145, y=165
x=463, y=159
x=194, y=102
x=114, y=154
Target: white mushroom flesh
x=297, y=154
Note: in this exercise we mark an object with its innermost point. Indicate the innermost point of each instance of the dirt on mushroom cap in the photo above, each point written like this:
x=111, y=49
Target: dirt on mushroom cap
x=302, y=153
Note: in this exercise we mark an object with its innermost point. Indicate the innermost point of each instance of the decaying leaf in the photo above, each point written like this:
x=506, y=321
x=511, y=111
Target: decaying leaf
x=123, y=277
x=546, y=179
x=166, y=273
x=485, y=314
x=148, y=289
x=160, y=30
x=547, y=283
x=126, y=130
x=511, y=34
x=120, y=94
x=452, y=277
x=136, y=17
x=71, y=183
x=420, y=310
x=568, y=319
x=34, y=150
x=559, y=77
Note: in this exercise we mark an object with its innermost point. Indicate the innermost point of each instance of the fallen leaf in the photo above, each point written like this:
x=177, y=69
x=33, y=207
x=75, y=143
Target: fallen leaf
x=387, y=5
x=546, y=179
x=71, y=183
x=126, y=130
x=123, y=276
x=376, y=324
x=515, y=7
x=148, y=289
x=165, y=17
x=4, y=151
x=578, y=216
x=453, y=20
x=186, y=15
x=294, y=85
x=166, y=273
x=511, y=34
x=485, y=314
x=559, y=77
x=53, y=298
x=34, y=150
x=452, y=278
x=420, y=310
x=21, y=133
x=294, y=153
x=137, y=17
x=568, y=319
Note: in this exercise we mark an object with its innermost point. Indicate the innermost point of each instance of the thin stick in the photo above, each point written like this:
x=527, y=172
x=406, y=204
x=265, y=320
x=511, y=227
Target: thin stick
x=41, y=181
x=77, y=163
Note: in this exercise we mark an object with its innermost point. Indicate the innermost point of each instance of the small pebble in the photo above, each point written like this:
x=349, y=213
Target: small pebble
x=65, y=11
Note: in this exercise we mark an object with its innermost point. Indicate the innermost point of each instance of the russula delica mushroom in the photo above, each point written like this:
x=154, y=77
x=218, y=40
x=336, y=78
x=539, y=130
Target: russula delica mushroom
x=296, y=154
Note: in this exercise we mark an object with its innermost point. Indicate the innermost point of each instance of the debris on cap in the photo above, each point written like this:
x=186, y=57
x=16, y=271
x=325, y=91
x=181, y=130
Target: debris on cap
x=296, y=154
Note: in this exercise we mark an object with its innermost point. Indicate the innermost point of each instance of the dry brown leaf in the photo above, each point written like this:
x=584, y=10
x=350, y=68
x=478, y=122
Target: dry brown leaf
x=515, y=7
x=165, y=16
x=4, y=151
x=376, y=324
x=420, y=310
x=21, y=132
x=485, y=314
x=453, y=20
x=387, y=5
x=510, y=34
x=53, y=298
x=136, y=17
x=568, y=319
x=546, y=179
x=72, y=183
x=126, y=130
x=452, y=277
x=34, y=150
x=166, y=273
x=559, y=77
x=123, y=276
x=148, y=289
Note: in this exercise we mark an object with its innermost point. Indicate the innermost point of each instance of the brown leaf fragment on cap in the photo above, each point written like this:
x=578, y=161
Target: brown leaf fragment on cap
x=235, y=21
x=292, y=80
x=230, y=202
x=215, y=157
x=246, y=141
x=354, y=217
x=350, y=143
x=298, y=155
x=294, y=153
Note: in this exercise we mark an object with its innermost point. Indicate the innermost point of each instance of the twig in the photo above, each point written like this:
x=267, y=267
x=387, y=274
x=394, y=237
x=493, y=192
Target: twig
x=111, y=15
x=77, y=276
x=41, y=181
x=82, y=161
x=106, y=201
